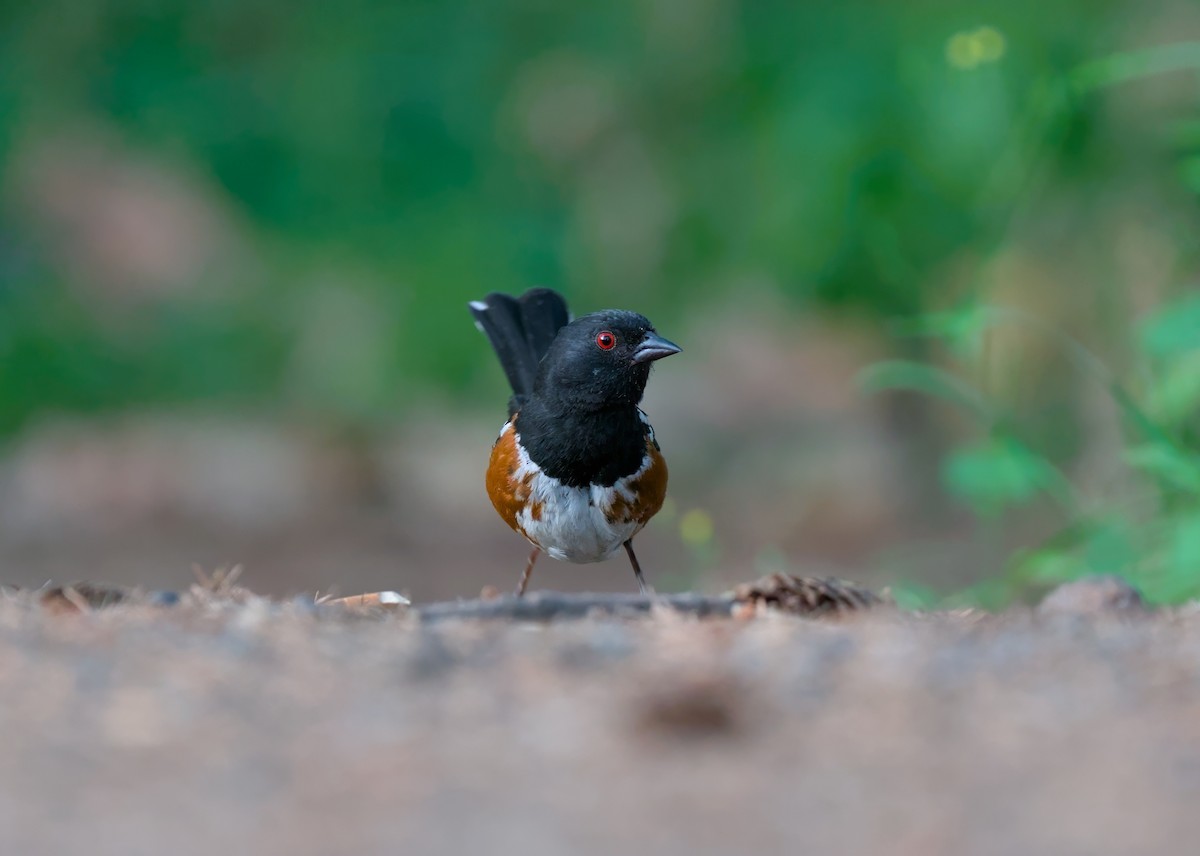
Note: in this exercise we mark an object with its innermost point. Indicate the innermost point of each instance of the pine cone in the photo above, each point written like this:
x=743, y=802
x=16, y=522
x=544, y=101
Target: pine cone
x=806, y=595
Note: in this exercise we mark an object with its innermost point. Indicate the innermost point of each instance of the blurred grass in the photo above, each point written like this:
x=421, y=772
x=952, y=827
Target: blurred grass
x=656, y=152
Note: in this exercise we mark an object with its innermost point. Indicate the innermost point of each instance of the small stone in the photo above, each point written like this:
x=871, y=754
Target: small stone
x=1093, y=596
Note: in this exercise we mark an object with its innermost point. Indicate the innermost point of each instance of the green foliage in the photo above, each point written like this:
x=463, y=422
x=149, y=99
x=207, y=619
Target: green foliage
x=1170, y=467
x=1132, y=65
x=1001, y=473
x=1170, y=339
x=1173, y=330
x=1148, y=532
x=430, y=152
x=930, y=380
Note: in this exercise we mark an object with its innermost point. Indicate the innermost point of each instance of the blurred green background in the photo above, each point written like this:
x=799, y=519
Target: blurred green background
x=238, y=238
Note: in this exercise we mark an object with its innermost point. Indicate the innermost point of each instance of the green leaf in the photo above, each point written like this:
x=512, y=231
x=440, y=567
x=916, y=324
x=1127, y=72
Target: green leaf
x=1166, y=464
x=1172, y=567
x=1051, y=567
x=961, y=329
x=1110, y=548
x=1174, y=395
x=1185, y=547
x=998, y=474
x=1174, y=329
x=1132, y=65
x=918, y=377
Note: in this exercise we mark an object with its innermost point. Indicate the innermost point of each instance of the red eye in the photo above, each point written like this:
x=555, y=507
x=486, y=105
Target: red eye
x=606, y=341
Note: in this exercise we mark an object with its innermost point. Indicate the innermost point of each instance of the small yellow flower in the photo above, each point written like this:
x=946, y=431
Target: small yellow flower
x=969, y=49
x=960, y=51
x=990, y=44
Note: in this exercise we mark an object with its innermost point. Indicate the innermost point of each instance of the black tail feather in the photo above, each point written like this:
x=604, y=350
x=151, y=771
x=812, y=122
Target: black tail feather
x=499, y=317
x=520, y=331
x=544, y=313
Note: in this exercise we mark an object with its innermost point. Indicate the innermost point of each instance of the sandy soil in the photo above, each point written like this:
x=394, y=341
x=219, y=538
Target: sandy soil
x=259, y=727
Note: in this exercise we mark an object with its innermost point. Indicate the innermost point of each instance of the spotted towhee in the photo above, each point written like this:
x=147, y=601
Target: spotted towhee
x=576, y=468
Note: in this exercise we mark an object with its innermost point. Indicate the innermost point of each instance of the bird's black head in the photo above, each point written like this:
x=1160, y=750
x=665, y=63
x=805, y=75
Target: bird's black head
x=600, y=361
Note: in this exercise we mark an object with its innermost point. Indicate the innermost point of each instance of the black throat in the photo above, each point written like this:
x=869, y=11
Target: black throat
x=583, y=447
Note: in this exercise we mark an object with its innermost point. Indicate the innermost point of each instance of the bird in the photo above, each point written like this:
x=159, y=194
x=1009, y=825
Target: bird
x=576, y=469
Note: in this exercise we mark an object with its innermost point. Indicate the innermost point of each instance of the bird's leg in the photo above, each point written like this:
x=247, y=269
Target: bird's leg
x=524, y=583
x=645, y=587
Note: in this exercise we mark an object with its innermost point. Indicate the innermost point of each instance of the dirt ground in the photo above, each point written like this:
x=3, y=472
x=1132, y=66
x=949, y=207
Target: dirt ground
x=219, y=727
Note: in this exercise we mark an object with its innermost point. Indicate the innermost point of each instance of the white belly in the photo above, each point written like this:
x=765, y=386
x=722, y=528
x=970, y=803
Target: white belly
x=572, y=524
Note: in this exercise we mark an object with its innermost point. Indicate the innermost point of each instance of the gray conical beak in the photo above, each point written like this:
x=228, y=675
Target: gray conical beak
x=654, y=347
